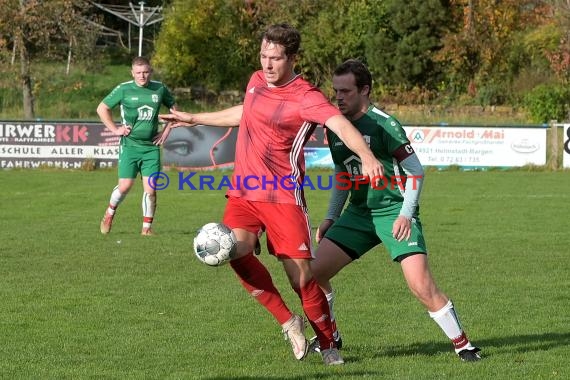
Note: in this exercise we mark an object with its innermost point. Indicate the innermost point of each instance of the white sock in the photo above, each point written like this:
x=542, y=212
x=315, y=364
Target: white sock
x=330, y=300
x=148, y=208
x=447, y=320
x=116, y=198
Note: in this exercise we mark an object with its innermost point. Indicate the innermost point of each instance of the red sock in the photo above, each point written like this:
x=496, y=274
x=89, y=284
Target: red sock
x=460, y=342
x=257, y=281
x=317, y=311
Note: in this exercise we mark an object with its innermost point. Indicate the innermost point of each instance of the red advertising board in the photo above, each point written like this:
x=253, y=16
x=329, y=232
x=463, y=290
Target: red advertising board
x=56, y=144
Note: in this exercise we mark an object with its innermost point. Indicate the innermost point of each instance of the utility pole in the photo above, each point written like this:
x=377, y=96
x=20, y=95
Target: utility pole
x=140, y=17
x=141, y=25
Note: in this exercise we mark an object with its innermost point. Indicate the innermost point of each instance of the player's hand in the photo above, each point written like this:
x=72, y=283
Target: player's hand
x=372, y=169
x=162, y=136
x=402, y=228
x=323, y=228
x=123, y=130
x=178, y=119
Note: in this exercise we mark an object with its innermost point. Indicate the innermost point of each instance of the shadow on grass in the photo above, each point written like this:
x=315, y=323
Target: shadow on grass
x=357, y=353
x=513, y=344
x=324, y=375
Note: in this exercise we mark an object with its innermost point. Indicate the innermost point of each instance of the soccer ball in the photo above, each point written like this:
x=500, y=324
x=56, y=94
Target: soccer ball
x=215, y=244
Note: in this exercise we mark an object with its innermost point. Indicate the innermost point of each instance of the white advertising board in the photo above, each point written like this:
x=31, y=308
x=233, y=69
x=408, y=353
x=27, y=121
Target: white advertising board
x=477, y=146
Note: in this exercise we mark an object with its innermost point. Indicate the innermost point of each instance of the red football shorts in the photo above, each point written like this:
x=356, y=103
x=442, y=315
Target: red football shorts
x=287, y=225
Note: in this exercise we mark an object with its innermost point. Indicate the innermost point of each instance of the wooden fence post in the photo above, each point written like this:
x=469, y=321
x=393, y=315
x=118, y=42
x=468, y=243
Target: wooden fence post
x=554, y=145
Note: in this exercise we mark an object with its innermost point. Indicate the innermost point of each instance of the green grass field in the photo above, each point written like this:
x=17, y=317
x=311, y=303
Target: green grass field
x=79, y=305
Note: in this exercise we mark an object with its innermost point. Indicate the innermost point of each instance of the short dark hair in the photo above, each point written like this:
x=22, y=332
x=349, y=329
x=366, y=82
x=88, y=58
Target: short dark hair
x=285, y=35
x=361, y=73
x=140, y=61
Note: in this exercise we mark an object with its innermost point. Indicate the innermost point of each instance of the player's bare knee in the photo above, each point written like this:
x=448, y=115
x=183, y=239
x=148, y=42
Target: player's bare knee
x=150, y=195
x=125, y=186
x=243, y=248
x=317, y=268
x=429, y=296
x=125, y=189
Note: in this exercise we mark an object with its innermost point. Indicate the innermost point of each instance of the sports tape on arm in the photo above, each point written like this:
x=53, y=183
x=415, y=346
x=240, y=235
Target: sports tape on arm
x=415, y=178
x=338, y=196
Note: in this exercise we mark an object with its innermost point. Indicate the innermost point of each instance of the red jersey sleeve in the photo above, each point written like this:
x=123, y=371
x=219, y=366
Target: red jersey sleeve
x=316, y=107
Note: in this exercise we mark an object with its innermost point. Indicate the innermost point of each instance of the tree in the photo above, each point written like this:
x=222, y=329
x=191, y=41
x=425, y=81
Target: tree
x=36, y=29
x=403, y=48
x=12, y=30
x=483, y=56
x=220, y=45
x=559, y=55
x=336, y=33
x=206, y=43
x=548, y=49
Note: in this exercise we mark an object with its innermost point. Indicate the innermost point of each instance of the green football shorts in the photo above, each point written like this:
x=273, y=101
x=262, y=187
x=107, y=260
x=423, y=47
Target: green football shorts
x=140, y=159
x=359, y=230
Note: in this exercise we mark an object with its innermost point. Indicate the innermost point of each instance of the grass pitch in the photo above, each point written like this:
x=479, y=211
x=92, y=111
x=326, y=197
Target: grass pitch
x=79, y=305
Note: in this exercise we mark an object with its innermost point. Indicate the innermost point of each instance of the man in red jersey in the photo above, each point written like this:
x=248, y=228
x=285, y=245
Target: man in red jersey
x=279, y=114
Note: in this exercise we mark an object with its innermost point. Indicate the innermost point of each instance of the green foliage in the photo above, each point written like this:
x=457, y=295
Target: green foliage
x=426, y=52
x=10, y=95
x=74, y=96
x=540, y=40
x=206, y=43
x=548, y=102
x=219, y=48
x=49, y=28
x=491, y=94
x=406, y=40
x=35, y=30
x=486, y=45
x=345, y=27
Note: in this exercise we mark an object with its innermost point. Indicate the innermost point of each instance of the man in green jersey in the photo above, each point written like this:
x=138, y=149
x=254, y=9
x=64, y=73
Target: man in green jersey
x=386, y=212
x=140, y=100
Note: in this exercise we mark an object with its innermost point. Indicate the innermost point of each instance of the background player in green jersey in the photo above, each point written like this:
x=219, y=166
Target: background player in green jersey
x=384, y=213
x=140, y=100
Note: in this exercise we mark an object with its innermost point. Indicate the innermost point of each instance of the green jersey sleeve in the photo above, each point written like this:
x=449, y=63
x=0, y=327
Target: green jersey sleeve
x=168, y=99
x=394, y=135
x=115, y=97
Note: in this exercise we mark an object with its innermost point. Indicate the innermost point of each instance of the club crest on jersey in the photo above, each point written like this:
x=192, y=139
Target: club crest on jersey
x=353, y=166
x=154, y=98
x=145, y=113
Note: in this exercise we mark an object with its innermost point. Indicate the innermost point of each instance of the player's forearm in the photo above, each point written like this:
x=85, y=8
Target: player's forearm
x=106, y=117
x=351, y=137
x=230, y=117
